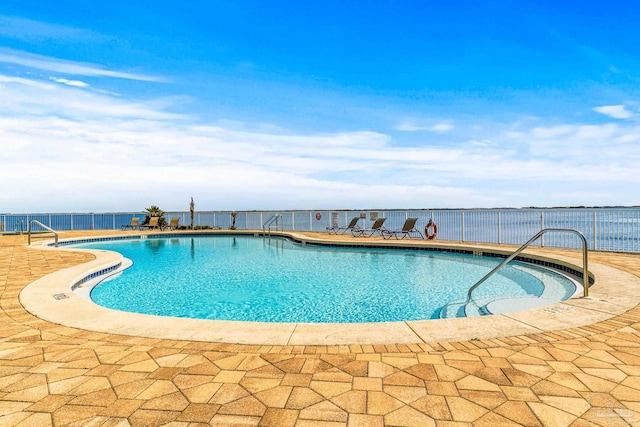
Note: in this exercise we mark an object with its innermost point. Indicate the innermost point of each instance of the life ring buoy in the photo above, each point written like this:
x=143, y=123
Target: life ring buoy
x=318, y=216
x=430, y=230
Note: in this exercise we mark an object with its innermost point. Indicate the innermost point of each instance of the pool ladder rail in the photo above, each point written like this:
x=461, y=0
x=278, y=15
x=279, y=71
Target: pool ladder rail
x=47, y=229
x=275, y=222
x=470, y=307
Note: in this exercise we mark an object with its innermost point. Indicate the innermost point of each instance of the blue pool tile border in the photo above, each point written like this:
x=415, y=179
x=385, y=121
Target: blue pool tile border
x=95, y=274
x=93, y=240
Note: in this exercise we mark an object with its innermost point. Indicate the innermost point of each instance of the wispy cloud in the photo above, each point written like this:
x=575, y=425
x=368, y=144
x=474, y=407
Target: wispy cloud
x=615, y=111
x=120, y=154
x=75, y=83
x=410, y=127
x=440, y=127
x=30, y=30
x=551, y=132
x=40, y=62
x=32, y=98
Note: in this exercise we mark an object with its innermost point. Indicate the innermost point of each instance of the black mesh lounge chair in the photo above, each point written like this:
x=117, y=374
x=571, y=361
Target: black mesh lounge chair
x=135, y=223
x=407, y=229
x=173, y=225
x=377, y=227
x=153, y=223
x=353, y=225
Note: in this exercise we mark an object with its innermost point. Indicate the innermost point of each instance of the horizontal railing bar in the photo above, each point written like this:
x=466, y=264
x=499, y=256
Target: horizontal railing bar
x=605, y=228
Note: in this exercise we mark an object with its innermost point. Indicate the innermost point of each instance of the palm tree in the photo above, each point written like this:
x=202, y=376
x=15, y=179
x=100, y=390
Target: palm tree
x=233, y=220
x=192, y=209
x=154, y=210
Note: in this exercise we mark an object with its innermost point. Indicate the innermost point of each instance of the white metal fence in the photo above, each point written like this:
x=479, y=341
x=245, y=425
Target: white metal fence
x=606, y=229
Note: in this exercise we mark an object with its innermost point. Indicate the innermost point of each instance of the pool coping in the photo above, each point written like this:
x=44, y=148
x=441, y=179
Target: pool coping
x=51, y=298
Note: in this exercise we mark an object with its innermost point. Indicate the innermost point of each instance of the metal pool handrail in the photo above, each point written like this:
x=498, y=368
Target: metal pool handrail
x=268, y=224
x=43, y=226
x=585, y=266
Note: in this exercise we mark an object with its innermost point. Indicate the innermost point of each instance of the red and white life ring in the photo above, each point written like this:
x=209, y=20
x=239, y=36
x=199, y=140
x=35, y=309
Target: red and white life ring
x=318, y=216
x=430, y=230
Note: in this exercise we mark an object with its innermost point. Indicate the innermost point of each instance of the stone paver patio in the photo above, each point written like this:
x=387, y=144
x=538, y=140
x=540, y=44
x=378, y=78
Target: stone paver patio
x=56, y=375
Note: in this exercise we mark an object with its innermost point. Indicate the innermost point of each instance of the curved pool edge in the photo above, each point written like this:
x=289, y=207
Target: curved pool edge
x=615, y=292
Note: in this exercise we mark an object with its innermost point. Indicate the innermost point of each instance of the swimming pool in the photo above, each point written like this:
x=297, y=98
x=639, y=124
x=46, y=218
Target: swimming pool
x=247, y=278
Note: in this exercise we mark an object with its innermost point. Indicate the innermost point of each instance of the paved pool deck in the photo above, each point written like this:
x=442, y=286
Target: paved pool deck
x=573, y=363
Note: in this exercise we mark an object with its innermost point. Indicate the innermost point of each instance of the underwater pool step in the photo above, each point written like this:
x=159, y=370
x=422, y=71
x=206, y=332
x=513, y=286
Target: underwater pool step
x=461, y=308
x=509, y=305
x=492, y=305
x=452, y=310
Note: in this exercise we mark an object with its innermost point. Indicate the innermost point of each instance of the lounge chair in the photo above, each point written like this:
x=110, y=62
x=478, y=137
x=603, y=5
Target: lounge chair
x=406, y=230
x=173, y=225
x=153, y=223
x=135, y=223
x=353, y=225
x=377, y=227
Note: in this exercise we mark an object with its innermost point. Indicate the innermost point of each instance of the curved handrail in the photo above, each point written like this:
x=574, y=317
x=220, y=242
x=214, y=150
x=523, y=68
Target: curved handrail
x=585, y=266
x=269, y=223
x=43, y=226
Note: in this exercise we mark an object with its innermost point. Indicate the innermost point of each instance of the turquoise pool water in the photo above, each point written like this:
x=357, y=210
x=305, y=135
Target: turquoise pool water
x=248, y=278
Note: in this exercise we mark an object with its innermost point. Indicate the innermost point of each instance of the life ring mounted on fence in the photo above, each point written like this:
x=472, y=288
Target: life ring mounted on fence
x=430, y=230
x=318, y=216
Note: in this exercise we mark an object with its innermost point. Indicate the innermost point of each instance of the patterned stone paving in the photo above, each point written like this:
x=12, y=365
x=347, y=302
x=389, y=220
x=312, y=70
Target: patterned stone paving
x=53, y=375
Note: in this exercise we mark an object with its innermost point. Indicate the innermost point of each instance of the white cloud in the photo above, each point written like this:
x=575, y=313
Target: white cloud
x=40, y=62
x=602, y=132
x=615, y=111
x=441, y=127
x=484, y=143
x=76, y=150
x=30, y=97
x=552, y=132
x=628, y=137
x=30, y=30
x=409, y=127
x=75, y=83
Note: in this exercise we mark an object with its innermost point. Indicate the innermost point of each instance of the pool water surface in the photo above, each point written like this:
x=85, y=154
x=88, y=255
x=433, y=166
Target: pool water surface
x=247, y=278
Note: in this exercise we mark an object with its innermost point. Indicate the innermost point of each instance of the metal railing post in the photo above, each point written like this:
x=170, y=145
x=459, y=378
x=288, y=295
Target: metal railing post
x=595, y=230
x=542, y=228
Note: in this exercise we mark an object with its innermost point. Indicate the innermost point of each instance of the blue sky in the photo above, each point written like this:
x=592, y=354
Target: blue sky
x=115, y=106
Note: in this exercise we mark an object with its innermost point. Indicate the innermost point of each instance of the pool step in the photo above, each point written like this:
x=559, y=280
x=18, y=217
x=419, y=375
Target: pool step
x=492, y=305
x=461, y=308
x=452, y=310
x=508, y=305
